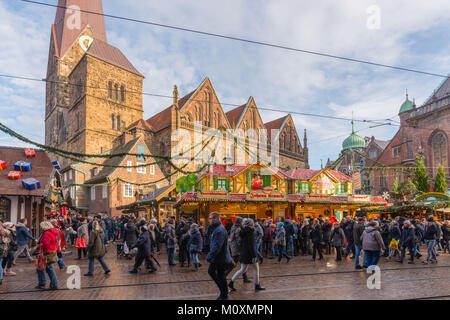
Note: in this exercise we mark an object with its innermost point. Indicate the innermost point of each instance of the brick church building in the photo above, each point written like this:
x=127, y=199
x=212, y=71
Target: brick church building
x=424, y=131
x=94, y=105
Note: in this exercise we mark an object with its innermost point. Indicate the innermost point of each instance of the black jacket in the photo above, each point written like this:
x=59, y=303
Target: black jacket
x=431, y=232
x=144, y=245
x=247, y=249
x=326, y=229
x=407, y=238
x=348, y=230
x=445, y=232
x=316, y=234
x=131, y=234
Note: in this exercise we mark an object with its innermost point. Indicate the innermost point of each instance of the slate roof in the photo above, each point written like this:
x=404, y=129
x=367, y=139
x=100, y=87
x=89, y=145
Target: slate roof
x=115, y=161
x=274, y=125
x=235, y=114
x=41, y=170
x=162, y=119
x=442, y=91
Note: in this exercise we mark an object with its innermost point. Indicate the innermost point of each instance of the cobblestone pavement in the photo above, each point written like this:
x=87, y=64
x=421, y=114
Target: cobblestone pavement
x=300, y=279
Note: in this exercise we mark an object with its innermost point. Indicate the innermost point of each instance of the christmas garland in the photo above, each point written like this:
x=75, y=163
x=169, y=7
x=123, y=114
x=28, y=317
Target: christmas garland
x=396, y=209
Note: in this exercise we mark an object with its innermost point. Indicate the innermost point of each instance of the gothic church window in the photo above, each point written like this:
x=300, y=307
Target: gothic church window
x=116, y=91
x=113, y=122
x=118, y=122
x=122, y=93
x=110, y=89
x=439, y=145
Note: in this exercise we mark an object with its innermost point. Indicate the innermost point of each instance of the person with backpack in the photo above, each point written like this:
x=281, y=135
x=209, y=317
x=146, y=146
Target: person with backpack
x=372, y=244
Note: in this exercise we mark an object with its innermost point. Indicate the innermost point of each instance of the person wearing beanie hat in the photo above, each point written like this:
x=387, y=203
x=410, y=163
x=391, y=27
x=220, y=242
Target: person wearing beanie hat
x=248, y=255
x=235, y=244
x=280, y=241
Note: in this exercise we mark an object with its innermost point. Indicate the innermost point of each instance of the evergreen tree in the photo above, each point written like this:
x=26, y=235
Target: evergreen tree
x=440, y=184
x=420, y=176
x=407, y=189
x=394, y=193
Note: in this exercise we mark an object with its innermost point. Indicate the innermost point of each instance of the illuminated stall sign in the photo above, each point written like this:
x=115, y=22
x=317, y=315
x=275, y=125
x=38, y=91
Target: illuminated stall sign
x=213, y=195
x=262, y=196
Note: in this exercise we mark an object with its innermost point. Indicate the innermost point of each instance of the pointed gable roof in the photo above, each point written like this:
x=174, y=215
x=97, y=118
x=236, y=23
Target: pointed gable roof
x=64, y=36
x=112, y=55
x=301, y=174
x=141, y=123
x=277, y=124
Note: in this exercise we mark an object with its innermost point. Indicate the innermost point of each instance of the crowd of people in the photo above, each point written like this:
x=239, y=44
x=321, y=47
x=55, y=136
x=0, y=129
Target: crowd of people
x=242, y=241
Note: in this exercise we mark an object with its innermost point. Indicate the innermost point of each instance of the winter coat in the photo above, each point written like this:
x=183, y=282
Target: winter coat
x=96, y=246
x=407, y=237
x=326, y=229
x=259, y=233
x=4, y=243
x=348, y=229
x=316, y=234
x=337, y=237
x=184, y=240
x=219, y=252
x=170, y=236
x=271, y=232
x=144, y=245
x=280, y=238
x=395, y=232
x=82, y=232
x=371, y=240
x=247, y=249
x=131, y=234
x=358, y=230
x=49, y=241
x=289, y=228
x=235, y=239
x=446, y=232
x=195, y=242
x=23, y=235
x=431, y=232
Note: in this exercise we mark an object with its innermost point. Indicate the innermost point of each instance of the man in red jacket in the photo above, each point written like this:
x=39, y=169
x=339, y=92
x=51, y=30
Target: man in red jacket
x=48, y=243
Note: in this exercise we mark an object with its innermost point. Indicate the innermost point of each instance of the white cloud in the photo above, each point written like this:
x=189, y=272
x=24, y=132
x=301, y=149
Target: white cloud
x=410, y=35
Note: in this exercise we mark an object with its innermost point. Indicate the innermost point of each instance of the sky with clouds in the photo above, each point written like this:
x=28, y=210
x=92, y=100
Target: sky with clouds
x=412, y=34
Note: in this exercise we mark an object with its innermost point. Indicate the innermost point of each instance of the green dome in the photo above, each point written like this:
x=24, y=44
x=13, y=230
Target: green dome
x=353, y=142
x=407, y=105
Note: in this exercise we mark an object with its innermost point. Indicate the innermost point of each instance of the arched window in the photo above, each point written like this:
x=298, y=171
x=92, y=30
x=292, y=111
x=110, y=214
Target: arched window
x=113, y=122
x=110, y=89
x=440, y=151
x=116, y=91
x=122, y=93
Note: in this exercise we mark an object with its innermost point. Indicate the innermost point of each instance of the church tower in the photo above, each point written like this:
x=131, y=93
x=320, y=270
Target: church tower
x=93, y=91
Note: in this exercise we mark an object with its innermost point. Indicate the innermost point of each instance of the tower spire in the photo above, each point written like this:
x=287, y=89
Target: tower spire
x=353, y=124
x=72, y=18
